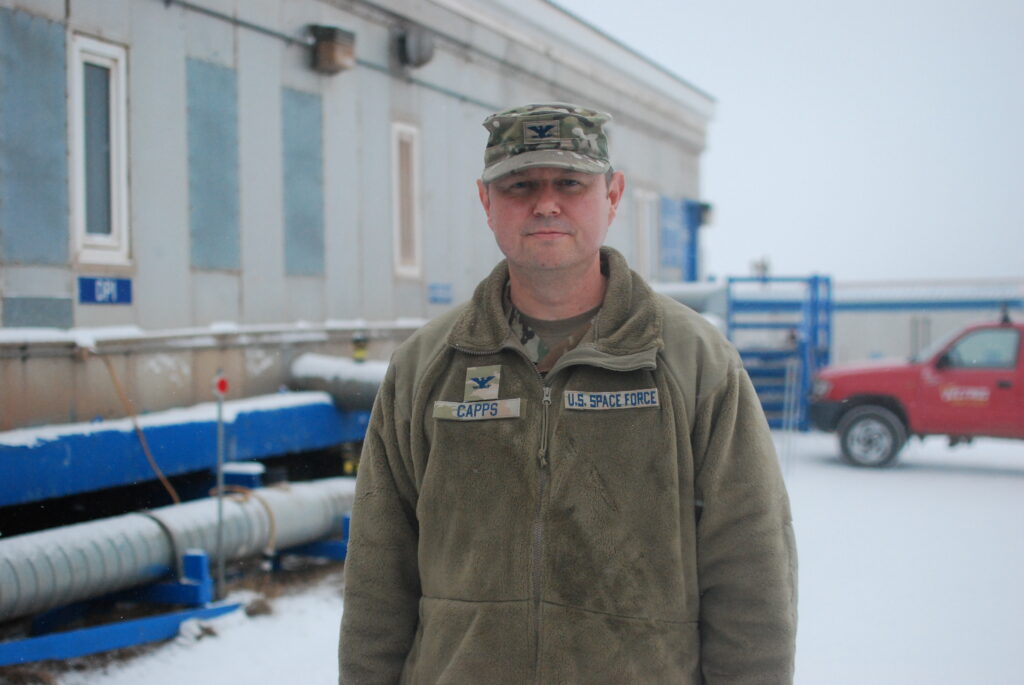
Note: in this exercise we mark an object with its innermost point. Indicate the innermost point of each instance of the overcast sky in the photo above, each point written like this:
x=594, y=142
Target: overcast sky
x=876, y=139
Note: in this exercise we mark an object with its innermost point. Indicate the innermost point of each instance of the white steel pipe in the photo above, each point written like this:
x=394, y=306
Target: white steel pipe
x=352, y=384
x=52, y=568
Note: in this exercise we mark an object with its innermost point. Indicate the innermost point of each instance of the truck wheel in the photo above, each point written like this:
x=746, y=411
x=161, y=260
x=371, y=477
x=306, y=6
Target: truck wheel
x=871, y=436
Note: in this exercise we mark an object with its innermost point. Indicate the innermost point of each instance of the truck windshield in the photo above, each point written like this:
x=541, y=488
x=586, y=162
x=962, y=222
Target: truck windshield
x=933, y=348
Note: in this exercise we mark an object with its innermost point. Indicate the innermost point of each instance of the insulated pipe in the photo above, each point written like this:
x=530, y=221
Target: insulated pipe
x=352, y=384
x=52, y=568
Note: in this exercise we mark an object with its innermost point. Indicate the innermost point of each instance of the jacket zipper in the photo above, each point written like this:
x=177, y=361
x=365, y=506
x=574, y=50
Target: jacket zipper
x=538, y=528
x=543, y=476
x=542, y=455
x=542, y=480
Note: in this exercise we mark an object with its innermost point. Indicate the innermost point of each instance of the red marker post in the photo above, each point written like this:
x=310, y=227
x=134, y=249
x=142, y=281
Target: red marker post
x=220, y=390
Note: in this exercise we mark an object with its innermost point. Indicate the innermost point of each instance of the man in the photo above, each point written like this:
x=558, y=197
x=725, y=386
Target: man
x=569, y=479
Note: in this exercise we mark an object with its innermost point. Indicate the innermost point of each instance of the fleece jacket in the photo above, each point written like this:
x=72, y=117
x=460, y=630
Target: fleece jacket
x=620, y=520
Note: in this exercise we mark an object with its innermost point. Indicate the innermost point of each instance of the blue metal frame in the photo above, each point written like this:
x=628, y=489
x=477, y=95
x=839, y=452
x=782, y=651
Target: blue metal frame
x=810, y=319
x=106, y=637
x=932, y=305
x=88, y=461
x=693, y=213
x=194, y=589
x=335, y=550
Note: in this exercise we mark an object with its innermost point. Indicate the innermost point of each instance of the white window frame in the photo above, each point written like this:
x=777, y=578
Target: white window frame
x=91, y=248
x=406, y=133
x=646, y=217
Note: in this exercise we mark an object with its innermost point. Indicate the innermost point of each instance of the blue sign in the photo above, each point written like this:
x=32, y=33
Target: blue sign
x=439, y=293
x=95, y=290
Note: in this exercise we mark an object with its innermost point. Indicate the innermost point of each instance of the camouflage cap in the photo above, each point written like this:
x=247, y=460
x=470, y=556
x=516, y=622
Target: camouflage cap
x=558, y=135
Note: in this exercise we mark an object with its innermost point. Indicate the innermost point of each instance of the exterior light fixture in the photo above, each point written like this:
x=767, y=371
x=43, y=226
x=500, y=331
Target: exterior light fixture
x=698, y=213
x=334, y=49
x=415, y=46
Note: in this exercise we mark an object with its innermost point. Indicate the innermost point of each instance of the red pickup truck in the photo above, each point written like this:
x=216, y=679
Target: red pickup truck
x=968, y=385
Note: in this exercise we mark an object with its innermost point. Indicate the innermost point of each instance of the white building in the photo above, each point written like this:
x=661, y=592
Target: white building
x=168, y=165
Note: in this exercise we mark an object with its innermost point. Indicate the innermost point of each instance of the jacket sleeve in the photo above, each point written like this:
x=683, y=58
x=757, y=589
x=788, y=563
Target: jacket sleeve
x=746, y=552
x=382, y=584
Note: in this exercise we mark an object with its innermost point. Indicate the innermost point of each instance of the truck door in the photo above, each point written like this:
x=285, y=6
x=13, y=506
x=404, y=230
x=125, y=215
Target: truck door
x=973, y=387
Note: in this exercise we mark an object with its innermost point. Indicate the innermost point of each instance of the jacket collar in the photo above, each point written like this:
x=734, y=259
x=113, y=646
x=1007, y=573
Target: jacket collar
x=629, y=322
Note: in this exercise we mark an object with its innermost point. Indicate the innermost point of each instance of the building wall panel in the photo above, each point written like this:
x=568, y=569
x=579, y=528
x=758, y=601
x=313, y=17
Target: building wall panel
x=106, y=19
x=373, y=161
x=158, y=170
x=33, y=140
x=303, y=182
x=37, y=312
x=216, y=297
x=264, y=296
x=343, y=233
x=306, y=299
x=208, y=38
x=35, y=281
x=213, y=189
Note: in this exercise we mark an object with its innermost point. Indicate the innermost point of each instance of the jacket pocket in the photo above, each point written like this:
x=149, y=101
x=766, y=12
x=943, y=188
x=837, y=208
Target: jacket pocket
x=603, y=649
x=461, y=642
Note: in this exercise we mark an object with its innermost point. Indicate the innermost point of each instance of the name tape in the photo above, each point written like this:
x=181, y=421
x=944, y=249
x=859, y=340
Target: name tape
x=616, y=399
x=477, y=411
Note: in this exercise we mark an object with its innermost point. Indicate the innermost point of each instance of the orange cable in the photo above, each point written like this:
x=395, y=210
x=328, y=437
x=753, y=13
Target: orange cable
x=138, y=431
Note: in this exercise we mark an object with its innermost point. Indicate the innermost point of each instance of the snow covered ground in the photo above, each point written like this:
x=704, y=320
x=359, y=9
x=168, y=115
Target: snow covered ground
x=911, y=574
x=907, y=575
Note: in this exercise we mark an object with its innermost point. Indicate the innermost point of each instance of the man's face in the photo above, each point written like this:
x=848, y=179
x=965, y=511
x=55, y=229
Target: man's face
x=548, y=218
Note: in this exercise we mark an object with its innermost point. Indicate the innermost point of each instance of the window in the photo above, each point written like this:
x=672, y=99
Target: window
x=645, y=246
x=99, y=159
x=405, y=200
x=990, y=348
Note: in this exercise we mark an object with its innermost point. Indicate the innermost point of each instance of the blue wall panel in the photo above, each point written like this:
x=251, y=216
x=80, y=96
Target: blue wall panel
x=38, y=312
x=213, y=173
x=303, y=183
x=33, y=141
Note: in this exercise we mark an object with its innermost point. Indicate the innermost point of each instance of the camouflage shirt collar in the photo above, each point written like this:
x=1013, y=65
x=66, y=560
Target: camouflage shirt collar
x=537, y=349
x=629, y=321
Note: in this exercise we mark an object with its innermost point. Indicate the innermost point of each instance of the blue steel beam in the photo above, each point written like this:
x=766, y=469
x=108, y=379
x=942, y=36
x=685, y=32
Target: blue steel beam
x=105, y=638
x=97, y=458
